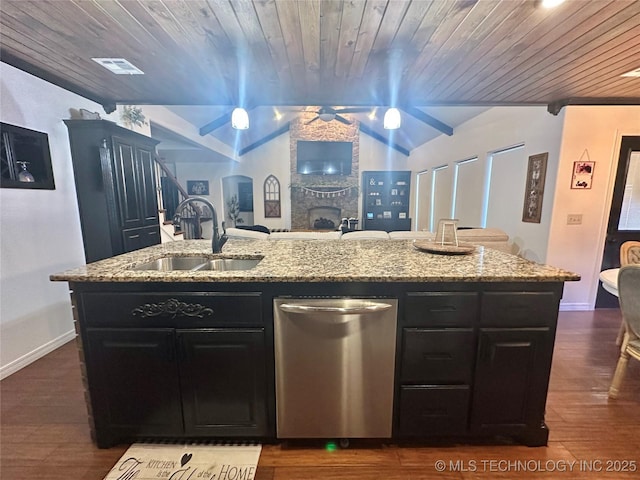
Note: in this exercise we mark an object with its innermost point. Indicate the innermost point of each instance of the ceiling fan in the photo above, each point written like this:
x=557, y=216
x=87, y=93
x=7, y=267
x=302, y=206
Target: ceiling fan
x=327, y=114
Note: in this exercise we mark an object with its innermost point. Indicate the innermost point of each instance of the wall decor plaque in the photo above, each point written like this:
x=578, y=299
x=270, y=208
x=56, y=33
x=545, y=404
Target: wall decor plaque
x=534, y=188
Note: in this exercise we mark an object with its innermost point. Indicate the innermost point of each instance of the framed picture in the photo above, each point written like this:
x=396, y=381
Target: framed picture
x=534, y=188
x=582, y=175
x=25, y=159
x=198, y=187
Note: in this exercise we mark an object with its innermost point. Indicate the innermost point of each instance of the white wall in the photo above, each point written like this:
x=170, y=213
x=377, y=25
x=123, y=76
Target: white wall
x=578, y=248
x=40, y=232
x=493, y=130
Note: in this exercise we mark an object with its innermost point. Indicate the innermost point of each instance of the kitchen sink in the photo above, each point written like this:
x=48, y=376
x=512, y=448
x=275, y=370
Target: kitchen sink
x=198, y=263
x=168, y=264
x=225, y=264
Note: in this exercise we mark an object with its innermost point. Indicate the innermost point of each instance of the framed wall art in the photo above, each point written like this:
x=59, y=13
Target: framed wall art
x=25, y=159
x=198, y=187
x=272, y=197
x=582, y=175
x=534, y=188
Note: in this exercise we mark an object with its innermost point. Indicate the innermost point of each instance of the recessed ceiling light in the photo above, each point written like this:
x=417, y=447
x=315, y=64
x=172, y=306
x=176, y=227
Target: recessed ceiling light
x=119, y=66
x=632, y=73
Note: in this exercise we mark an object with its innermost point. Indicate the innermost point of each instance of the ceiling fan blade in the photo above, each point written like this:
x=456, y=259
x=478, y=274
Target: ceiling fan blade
x=353, y=109
x=312, y=120
x=343, y=120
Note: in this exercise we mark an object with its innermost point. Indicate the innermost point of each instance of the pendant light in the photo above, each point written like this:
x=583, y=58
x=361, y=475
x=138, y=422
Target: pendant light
x=240, y=119
x=392, y=119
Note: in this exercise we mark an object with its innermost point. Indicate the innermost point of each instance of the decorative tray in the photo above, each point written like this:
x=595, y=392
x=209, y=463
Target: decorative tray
x=433, y=247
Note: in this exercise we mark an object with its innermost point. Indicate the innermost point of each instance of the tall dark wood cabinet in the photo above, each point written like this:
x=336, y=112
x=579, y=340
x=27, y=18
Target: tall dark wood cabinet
x=116, y=187
x=385, y=200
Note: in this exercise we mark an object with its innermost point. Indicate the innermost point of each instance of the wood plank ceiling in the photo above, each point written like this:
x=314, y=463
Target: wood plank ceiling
x=418, y=53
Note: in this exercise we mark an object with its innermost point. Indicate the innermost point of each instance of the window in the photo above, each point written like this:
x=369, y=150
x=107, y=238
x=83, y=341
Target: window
x=271, y=197
x=505, y=189
x=25, y=161
x=441, y=192
x=468, y=192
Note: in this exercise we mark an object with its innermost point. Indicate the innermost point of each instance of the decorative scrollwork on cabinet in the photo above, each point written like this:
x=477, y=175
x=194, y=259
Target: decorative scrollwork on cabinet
x=172, y=308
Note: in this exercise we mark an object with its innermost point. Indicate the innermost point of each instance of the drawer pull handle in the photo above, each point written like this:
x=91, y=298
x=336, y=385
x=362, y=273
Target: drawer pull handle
x=445, y=308
x=172, y=308
x=434, y=412
x=437, y=356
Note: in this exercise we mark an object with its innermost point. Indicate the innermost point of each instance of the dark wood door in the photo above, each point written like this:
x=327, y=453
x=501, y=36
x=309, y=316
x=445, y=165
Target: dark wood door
x=510, y=387
x=624, y=217
x=127, y=173
x=223, y=378
x=134, y=383
x=147, y=187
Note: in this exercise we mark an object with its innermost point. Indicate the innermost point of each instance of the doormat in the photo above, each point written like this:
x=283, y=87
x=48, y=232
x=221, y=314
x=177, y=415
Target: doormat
x=146, y=461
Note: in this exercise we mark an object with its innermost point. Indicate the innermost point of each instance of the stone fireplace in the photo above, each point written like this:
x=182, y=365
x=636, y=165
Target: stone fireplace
x=328, y=197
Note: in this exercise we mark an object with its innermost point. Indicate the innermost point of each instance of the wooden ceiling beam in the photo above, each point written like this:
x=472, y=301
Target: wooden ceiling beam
x=555, y=107
x=216, y=124
x=366, y=130
x=263, y=140
x=429, y=120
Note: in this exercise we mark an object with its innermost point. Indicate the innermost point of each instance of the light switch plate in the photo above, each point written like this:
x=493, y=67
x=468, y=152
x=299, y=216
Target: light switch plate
x=574, y=219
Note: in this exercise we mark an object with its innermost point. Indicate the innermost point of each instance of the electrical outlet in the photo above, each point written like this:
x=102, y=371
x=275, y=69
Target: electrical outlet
x=574, y=219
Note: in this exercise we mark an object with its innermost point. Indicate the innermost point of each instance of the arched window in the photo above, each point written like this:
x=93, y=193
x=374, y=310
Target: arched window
x=271, y=197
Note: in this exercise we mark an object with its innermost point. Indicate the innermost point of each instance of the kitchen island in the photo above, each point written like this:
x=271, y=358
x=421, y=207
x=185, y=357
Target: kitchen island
x=188, y=354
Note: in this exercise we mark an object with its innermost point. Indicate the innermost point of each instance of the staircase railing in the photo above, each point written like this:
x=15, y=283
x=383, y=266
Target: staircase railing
x=173, y=193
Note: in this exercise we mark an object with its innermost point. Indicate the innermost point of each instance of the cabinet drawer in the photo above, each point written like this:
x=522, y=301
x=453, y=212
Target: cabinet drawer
x=136, y=238
x=437, y=356
x=183, y=310
x=435, y=309
x=518, y=309
x=433, y=410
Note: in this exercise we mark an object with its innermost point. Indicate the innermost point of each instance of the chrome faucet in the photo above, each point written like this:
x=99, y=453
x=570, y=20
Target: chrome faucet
x=217, y=240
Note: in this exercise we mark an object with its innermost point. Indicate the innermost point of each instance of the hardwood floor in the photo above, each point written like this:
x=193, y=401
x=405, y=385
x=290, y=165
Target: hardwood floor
x=44, y=431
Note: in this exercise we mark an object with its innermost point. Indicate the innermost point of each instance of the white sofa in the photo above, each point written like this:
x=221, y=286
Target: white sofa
x=488, y=237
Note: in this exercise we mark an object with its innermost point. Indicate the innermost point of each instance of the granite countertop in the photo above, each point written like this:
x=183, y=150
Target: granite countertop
x=323, y=261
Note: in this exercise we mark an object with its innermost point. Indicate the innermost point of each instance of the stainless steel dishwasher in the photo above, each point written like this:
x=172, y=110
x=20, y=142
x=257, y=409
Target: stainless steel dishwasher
x=335, y=362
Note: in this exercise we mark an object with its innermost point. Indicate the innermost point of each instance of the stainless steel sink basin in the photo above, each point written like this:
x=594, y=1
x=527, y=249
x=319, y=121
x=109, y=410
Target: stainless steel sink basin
x=225, y=264
x=199, y=263
x=168, y=264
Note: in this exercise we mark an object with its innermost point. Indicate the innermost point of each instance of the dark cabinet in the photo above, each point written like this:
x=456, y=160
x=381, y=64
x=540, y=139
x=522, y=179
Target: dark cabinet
x=153, y=375
x=511, y=378
x=436, y=363
x=134, y=383
x=385, y=200
x=223, y=382
x=476, y=363
x=116, y=187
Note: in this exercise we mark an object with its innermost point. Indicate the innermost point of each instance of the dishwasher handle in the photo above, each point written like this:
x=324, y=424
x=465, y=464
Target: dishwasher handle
x=360, y=308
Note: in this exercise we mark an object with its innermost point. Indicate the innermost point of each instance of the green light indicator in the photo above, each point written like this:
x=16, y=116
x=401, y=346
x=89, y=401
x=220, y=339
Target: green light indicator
x=331, y=447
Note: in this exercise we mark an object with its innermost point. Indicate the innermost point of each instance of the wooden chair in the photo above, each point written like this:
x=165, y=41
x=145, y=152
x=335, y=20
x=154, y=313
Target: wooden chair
x=629, y=294
x=629, y=255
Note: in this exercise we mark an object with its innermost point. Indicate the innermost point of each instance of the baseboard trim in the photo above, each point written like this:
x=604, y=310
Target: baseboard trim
x=575, y=307
x=36, y=354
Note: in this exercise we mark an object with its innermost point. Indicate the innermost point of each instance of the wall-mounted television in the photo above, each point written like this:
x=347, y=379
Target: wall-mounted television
x=324, y=158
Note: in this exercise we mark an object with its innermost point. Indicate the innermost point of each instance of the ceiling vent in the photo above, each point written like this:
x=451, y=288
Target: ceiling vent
x=632, y=73
x=119, y=66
